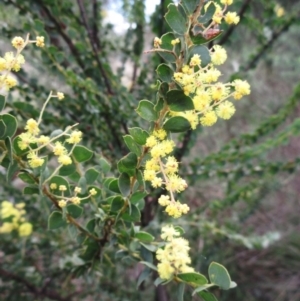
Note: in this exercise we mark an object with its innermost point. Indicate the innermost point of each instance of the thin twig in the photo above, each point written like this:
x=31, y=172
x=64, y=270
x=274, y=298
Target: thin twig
x=268, y=45
x=66, y=38
x=94, y=46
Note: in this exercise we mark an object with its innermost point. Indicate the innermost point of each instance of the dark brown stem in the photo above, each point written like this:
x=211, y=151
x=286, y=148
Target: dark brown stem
x=66, y=38
x=94, y=46
x=51, y=294
x=268, y=45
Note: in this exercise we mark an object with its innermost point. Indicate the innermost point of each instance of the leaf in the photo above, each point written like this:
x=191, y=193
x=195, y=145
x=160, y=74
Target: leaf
x=177, y=124
x=203, y=52
x=26, y=177
x=149, y=265
x=72, y=231
x=91, y=176
x=180, y=230
x=81, y=153
x=9, y=148
x=210, y=11
x=58, y=180
x=195, y=279
x=132, y=145
x=219, y=275
x=56, y=133
x=207, y=296
x=56, y=221
x=146, y=110
x=11, y=171
x=159, y=281
x=124, y=184
x=30, y=190
x=114, y=186
x=137, y=196
x=233, y=284
x=91, y=224
x=128, y=164
x=105, y=165
x=140, y=136
x=10, y=123
x=144, y=236
x=190, y=5
x=175, y=19
x=180, y=291
x=16, y=147
x=178, y=101
x=2, y=129
x=166, y=44
x=91, y=250
x=67, y=170
x=140, y=179
x=163, y=89
x=2, y=102
x=74, y=210
x=202, y=288
x=133, y=216
x=82, y=184
x=143, y=276
x=117, y=204
x=165, y=73
x=151, y=248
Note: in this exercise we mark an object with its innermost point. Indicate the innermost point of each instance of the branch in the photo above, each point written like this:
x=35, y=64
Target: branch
x=32, y=288
x=268, y=45
x=63, y=34
x=230, y=30
x=94, y=46
x=95, y=25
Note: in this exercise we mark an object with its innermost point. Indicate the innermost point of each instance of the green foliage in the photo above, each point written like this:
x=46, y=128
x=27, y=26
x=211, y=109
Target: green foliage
x=116, y=223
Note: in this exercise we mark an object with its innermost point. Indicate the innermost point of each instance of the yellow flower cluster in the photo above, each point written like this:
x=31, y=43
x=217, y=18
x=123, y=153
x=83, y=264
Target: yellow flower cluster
x=73, y=199
x=31, y=140
x=210, y=97
x=12, y=62
x=162, y=170
x=13, y=216
x=174, y=258
x=219, y=15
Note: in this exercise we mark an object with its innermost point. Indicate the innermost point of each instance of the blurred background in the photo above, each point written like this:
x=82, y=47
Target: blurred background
x=243, y=174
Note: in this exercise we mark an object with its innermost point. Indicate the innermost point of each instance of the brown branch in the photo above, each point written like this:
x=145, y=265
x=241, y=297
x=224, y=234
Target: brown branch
x=95, y=25
x=94, y=46
x=268, y=45
x=63, y=34
x=230, y=30
x=51, y=294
